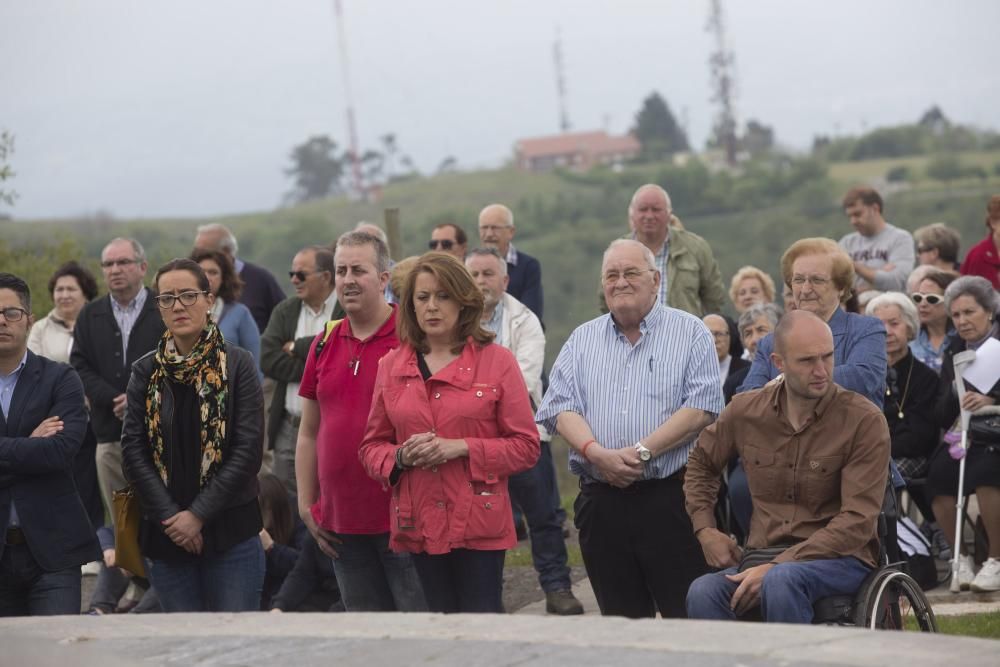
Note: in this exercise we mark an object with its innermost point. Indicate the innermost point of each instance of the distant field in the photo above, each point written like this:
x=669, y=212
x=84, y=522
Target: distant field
x=868, y=170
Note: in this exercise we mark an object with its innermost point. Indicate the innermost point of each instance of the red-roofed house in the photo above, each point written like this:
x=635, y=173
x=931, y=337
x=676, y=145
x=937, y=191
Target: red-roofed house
x=578, y=151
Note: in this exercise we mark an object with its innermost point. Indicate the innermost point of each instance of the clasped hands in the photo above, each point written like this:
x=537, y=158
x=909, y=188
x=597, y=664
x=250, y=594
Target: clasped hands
x=184, y=529
x=426, y=450
x=619, y=467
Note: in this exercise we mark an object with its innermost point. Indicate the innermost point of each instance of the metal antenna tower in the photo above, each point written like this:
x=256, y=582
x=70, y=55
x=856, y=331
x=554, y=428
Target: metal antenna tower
x=722, y=66
x=560, y=82
x=352, y=132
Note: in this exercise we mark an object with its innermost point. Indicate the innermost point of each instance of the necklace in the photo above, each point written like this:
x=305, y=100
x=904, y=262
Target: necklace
x=906, y=389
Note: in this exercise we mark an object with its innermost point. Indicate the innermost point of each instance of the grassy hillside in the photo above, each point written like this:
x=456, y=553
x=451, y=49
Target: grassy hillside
x=565, y=220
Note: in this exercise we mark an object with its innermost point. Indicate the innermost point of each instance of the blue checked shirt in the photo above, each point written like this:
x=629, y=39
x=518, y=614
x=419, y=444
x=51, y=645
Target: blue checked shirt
x=626, y=392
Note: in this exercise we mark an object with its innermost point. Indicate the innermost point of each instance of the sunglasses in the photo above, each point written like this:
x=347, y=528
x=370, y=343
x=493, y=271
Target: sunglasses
x=932, y=299
x=446, y=244
x=301, y=275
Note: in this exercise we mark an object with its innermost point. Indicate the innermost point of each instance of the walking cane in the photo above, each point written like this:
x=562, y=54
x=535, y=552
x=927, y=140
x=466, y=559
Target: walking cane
x=960, y=362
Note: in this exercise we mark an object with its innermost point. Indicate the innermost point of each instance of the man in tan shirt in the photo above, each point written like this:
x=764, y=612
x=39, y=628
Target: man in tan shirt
x=817, y=461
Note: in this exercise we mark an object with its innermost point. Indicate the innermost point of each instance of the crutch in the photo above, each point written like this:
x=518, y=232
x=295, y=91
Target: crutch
x=960, y=361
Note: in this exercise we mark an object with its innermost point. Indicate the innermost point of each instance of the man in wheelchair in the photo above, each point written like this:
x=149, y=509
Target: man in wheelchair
x=816, y=457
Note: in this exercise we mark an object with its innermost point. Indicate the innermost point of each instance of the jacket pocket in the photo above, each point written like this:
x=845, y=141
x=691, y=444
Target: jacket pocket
x=489, y=516
x=479, y=402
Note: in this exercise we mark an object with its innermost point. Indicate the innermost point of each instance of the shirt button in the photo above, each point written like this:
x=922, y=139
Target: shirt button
x=437, y=394
x=440, y=505
x=488, y=506
x=479, y=394
x=435, y=469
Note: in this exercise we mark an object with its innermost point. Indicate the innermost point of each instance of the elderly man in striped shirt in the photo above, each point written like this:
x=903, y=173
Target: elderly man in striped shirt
x=630, y=392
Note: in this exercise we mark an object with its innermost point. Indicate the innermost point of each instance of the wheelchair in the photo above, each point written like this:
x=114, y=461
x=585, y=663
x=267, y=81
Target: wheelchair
x=888, y=599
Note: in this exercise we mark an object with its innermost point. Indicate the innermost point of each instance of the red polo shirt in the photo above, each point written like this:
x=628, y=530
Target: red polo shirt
x=350, y=501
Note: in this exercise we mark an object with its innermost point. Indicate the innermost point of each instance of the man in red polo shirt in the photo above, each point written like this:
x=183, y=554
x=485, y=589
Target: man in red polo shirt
x=345, y=510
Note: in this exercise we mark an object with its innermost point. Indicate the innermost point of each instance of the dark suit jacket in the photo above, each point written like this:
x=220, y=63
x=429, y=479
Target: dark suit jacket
x=738, y=369
x=97, y=357
x=526, y=282
x=261, y=293
x=37, y=473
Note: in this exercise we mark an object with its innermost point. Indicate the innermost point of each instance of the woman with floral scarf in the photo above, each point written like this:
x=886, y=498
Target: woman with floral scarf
x=191, y=448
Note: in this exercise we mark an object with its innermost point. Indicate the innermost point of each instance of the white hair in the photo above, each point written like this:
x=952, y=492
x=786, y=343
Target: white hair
x=229, y=244
x=650, y=186
x=906, y=309
x=629, y=243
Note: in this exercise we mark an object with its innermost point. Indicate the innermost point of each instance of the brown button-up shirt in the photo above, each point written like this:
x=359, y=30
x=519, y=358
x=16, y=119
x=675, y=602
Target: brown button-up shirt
x=819, y=487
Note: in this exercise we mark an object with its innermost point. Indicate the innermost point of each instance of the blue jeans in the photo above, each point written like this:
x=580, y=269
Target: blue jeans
x=531, y=490
x=787, y=593
x=230, y=581
x=27, y=590
x=465, y=581
x=373, y=578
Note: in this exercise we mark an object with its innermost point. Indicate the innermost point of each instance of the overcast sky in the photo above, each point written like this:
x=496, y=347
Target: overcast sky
x=190, y=107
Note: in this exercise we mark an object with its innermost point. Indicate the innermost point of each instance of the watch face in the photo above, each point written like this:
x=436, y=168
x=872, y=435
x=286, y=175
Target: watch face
x=645, y=455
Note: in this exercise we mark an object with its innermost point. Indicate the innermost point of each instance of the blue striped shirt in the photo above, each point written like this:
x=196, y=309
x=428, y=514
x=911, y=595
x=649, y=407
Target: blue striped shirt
x=625, y=391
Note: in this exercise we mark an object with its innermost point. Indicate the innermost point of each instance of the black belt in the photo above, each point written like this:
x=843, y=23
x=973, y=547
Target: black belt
x=14, y=536
x=589, y=485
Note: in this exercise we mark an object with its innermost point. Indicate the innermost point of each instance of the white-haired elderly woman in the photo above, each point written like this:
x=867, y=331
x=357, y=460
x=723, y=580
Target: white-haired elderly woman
x=911, y=392
x=973, y=305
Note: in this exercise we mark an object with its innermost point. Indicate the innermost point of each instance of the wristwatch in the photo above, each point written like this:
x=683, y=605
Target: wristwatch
x=644, y=454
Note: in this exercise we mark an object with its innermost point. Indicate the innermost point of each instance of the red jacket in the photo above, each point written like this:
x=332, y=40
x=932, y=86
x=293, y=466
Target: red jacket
x=982, y=261
x=481, y=397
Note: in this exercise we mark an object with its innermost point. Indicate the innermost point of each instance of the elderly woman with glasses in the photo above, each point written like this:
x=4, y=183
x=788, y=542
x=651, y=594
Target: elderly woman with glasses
x=192, y=445
x=820, y=274
x=931, y=341
x=974, y=307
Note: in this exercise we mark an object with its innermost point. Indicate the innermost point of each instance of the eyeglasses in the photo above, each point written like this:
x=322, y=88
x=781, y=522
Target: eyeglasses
x=118, y=262
x=932, y=299
x=301, y=275
x=718, y=335
x=815, y=281
x=924, y=248
x=14, y=314
x=166, y=301
x=445, y=244
x=630, y=275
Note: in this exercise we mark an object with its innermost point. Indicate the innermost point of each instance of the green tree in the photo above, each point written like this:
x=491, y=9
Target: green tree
x=316, y=169
x=758, y=138
x=657, y=130
x=945, y=168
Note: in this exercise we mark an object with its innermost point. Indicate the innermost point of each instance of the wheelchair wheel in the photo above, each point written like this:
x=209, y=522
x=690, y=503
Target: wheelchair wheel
x=892, y=600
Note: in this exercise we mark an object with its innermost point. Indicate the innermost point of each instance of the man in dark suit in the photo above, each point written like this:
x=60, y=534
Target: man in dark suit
x=110, y=334
x=496, y=230
x=261, y=291
x=47, y=535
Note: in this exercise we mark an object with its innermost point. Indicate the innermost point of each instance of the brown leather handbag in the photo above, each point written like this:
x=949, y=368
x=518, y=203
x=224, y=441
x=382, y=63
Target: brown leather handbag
x=127, y=518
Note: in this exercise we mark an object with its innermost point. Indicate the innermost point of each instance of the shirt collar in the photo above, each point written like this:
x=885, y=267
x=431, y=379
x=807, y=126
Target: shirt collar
x=20, y=367
x=135, y=304
x=327, y=305
x=238, y=264
x=778, y=402
x=493, y=324
x=511, y=254
x=652, y=319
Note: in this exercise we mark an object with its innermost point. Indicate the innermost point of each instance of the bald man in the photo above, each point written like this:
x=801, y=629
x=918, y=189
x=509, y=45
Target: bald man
x=496, y=230
x=817, y=460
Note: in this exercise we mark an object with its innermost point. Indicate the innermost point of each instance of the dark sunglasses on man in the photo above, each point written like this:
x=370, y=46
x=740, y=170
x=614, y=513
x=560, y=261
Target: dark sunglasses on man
x=932, y=299
x=445, y=244
x=301, y=275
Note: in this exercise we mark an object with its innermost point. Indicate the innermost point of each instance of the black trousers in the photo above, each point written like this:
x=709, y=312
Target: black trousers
x=462, y=581
x=638, y=546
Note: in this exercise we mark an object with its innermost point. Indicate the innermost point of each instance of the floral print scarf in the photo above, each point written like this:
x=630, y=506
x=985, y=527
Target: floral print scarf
x=205, y=368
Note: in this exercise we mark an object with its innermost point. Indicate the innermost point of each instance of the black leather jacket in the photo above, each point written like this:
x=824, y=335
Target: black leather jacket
x=235, y=481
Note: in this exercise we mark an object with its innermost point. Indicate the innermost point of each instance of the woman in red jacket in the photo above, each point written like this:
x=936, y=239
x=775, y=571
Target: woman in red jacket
x=450, y=421
x=984, y=257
